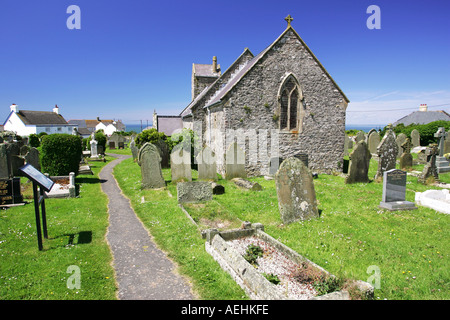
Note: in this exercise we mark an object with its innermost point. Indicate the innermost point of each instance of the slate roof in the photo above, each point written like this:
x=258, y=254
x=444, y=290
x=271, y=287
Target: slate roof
x=41, y=118
x=168, y=124
x=205, y=70
x=423, y=117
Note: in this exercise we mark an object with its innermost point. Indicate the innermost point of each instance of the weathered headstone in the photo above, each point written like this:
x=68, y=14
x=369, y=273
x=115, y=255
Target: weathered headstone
x=94, y=151
x=442, y=164
x=207, y=167
x=400, y=139
x=430, y=168
x=415, y=138
x=150, y=162
x=295, y=191
x=10, y=192
x=235, y=162
x=32, y=157
x=16, y=160
x=359, y=164
x=447, y=145
x=134, y=149
x=194, y=191
x=360, y=136
x=246, y=184
x=164, y=152
x=112, y=145
x=394, y=191
x=373, y=140
x=180, y=164
x=5, y=166
x=406, y=159
x=387, y=152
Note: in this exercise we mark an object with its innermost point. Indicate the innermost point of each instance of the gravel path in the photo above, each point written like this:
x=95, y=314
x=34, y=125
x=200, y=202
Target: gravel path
x=143, y=271
x=278, y=264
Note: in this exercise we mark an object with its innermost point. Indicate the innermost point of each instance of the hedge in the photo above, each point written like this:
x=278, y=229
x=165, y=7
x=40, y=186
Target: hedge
x=61, y=154
x=426, y=131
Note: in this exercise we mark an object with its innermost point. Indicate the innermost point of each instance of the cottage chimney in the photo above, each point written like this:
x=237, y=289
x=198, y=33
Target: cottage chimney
x=14, y=108
x=423, y=107
x=56, y=109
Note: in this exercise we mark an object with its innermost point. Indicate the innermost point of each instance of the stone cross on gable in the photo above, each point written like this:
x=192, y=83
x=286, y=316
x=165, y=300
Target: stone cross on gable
x=441, y=135
x=289, y=20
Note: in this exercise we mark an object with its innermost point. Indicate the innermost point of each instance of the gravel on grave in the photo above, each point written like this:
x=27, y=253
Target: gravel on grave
x=278, y=264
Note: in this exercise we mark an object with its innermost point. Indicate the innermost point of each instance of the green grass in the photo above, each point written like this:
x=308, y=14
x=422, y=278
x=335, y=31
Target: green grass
x=410, y=248
x=76, y=231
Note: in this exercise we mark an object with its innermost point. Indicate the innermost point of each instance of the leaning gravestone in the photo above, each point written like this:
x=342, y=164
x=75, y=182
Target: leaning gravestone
x=401, y=138
x=235, y=162
x=134, y=149
x=430, y=168
x=5, y=166
x=373, y=141
x=150, y=162
x=359, y=164
x=394, y=191
x=406, y=159
x=194, y=191
x=387, y=152
x=295, y=191
x=415, y=138
x=180, y=164
x=207, y=167
x=360, y=136
x=32, y=157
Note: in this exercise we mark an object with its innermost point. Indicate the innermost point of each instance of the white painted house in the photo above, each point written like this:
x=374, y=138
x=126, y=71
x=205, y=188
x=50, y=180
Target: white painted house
x=25, y=122
x=108, y=126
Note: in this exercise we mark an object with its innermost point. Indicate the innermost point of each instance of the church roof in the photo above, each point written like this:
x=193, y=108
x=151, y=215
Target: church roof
x=423, y=117
x=205, y=70
x=242, y=70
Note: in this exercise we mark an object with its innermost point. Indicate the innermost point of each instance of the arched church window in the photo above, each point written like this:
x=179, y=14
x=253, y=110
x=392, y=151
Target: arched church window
x=291, y=110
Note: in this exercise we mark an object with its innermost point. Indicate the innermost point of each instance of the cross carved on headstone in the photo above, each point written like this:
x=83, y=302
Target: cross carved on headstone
x=441, y=135
x=406, y=146
x=289, y=20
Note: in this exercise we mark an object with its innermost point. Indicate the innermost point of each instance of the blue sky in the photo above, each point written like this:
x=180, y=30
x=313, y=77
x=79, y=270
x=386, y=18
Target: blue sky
x=131, y=57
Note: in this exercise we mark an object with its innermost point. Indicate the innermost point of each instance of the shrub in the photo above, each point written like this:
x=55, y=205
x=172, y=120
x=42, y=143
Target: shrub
x=61, y=154
x=33, y=140
x=426, y=131
x=150, y=135
x=252, y=253
x=100, y=137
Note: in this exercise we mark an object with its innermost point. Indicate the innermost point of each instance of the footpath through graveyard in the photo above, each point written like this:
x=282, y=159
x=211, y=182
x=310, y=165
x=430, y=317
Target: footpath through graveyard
x=143, y=271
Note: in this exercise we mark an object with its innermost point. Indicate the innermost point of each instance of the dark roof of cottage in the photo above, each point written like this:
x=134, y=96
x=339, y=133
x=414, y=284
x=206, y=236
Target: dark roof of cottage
x=40, y=117
x=423, y=117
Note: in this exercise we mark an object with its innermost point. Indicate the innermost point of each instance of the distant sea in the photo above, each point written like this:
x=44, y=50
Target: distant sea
x=363, y=127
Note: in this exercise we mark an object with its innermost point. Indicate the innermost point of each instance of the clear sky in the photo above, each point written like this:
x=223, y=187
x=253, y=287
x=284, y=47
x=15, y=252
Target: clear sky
x=132, y=57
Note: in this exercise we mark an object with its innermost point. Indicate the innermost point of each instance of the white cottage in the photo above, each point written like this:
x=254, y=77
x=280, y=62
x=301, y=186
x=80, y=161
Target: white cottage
x=26, y=122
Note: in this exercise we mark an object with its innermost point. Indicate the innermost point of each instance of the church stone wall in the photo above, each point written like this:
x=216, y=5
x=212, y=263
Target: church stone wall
x=252, y=104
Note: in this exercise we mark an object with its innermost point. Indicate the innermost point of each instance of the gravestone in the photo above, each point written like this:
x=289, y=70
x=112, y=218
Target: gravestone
x=387, y=152
x=394, y=191
x=134, y=149
x=406, y=159
x=430, y=168
x=235, y=162
x=303, y=157
x=400, y=139
x=442, y=164
x=295, y=191
x=447, y=145
x=194, y=191
x=32, y=157
x=10, y=192
x=207, y=167
x=415, y=138
x=180, y=164
x=164, y=152
x=94, y=150
x=5, y=166
x=359, y=164
x=360, y=136
x=112, y=145
x=16, y=160
x=373, y=140
x=150, y=162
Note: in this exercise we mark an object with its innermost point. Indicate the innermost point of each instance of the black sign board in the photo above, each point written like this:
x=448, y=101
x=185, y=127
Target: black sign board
x=36, y=176
x=44, y=183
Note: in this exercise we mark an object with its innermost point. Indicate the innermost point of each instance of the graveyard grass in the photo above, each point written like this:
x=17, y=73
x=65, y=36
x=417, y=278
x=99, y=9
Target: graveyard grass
x=76, y=231
x=351, y=236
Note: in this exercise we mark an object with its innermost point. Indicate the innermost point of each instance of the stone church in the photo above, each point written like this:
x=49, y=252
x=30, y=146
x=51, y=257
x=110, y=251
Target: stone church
x=279, y=103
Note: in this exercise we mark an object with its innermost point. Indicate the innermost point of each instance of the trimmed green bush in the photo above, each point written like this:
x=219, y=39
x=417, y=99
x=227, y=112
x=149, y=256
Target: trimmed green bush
x=33, y=140
x=150, y=135
x=61, y=154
